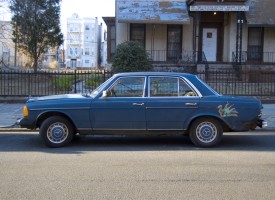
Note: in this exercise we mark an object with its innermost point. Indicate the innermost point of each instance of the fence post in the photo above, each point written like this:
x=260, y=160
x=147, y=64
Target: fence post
x=104, y=75
x=75, y=81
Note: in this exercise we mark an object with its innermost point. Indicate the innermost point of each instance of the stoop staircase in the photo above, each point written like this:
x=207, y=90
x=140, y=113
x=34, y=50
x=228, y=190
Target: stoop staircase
x=223, y=71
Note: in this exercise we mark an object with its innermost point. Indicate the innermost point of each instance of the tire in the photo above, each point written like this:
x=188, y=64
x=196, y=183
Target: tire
x=205, y=132
x=56, y=131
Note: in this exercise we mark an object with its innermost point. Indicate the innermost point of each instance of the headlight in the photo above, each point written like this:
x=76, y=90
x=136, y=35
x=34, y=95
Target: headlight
x=25, y=111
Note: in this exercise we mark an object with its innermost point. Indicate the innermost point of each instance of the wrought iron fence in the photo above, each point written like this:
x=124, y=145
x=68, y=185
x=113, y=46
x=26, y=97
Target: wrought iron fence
x=251, y=57
x=26, y=83
x=249, y=83
x=176, y=57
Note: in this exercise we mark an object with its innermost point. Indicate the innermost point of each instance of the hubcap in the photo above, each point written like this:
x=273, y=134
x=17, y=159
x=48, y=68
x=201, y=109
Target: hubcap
x=206, y=132
x=57, y=133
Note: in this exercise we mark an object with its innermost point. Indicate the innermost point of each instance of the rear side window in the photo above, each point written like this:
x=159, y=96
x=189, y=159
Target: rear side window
x=169, y=87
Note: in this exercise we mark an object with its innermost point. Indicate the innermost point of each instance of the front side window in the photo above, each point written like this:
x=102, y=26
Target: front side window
x=169, y=87
x=128, y=87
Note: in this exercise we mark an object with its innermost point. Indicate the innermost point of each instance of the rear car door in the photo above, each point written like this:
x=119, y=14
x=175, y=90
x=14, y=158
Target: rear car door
x=171, y=101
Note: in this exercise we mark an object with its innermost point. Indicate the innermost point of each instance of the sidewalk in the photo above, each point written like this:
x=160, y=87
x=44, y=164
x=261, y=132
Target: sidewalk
x=9, y=113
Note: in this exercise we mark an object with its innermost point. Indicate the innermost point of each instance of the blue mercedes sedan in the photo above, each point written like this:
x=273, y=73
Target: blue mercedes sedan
x=152, y=103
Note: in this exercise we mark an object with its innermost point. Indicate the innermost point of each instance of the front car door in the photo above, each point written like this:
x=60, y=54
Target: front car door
x=123, y=108
x=170, y=102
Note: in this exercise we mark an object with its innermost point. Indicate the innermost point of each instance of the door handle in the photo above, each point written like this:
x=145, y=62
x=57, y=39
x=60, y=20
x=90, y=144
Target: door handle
x=191, y=104
x=138, y=104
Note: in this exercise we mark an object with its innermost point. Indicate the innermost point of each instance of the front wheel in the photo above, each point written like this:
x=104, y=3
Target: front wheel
x=56, y=131
x=205, y=132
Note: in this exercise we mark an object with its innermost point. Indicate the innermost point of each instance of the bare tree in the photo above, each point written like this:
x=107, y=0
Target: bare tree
x=5, y=33
x=36, y=26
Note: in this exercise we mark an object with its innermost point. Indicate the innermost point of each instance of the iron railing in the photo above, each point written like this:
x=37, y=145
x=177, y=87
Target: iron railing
x=249, y=57
x=250, y=83
x=26, y=83
x=176, y=57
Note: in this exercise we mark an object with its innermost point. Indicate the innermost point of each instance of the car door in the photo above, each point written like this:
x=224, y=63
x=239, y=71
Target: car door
x=123, y=108
x=171, y=101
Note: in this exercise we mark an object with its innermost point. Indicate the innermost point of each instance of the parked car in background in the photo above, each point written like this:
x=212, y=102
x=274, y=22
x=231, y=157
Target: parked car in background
x=153, y=103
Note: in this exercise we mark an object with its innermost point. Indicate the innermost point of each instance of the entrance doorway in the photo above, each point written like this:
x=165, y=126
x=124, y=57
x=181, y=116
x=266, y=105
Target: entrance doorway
x=209, y=43
x=73, y=63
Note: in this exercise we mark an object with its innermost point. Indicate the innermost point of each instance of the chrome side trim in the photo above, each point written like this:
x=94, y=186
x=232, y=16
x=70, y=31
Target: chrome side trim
x=60, y=109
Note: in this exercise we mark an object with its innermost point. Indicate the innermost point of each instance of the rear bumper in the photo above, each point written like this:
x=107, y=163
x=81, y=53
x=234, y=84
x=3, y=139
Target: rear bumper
x=262, y=124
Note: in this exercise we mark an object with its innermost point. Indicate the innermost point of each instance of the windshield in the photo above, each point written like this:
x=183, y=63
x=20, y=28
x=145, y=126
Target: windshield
x=101, y=87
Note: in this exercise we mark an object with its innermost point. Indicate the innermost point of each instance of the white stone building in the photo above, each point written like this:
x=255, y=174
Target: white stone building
x=83, y=43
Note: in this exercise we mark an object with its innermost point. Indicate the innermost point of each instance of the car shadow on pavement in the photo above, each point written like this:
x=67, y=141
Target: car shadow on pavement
x=31, y=142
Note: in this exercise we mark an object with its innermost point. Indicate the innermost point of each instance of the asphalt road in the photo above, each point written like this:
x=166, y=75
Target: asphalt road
x=108, y=167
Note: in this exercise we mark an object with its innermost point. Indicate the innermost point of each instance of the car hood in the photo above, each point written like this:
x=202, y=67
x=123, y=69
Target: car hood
x=58, y=97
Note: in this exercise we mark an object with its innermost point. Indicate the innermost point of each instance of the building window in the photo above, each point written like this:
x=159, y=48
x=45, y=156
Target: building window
x=87, y=61
x=87, y=38
x=137, y=33
x=87, y=51
x=174, y=41
x=87, y=27
x=71, y=52
x=74, y=27
x=255, y=44
x=75, y=51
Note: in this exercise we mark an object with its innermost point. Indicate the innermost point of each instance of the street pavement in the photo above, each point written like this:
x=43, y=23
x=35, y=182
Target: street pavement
x=11, y=112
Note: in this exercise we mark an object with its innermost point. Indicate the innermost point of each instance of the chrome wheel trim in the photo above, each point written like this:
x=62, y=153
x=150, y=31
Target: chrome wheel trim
x=206, y=132
x=57, y=133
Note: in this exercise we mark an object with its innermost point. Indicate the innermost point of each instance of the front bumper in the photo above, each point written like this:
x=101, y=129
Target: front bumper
x=25, y=123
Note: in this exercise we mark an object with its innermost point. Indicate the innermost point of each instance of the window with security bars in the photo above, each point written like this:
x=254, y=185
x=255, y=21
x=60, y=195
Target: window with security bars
x=255, y=44
x=174, y=41
x=137, y=33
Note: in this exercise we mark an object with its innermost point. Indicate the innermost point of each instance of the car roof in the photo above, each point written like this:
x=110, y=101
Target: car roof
x=153, y=74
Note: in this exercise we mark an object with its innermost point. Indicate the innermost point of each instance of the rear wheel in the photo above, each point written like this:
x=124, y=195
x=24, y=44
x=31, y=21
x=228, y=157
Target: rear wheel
x=205, y=132
x=56, y=131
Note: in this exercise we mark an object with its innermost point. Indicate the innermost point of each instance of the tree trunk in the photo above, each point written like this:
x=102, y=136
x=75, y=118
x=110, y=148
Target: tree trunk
x=35, y=65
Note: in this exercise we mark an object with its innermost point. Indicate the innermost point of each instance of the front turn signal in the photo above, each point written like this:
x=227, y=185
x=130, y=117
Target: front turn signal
x=25, y=111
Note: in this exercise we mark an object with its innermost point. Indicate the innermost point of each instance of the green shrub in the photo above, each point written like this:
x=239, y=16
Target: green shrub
x=131, y=57
x=64, y=83
x=95, y=81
